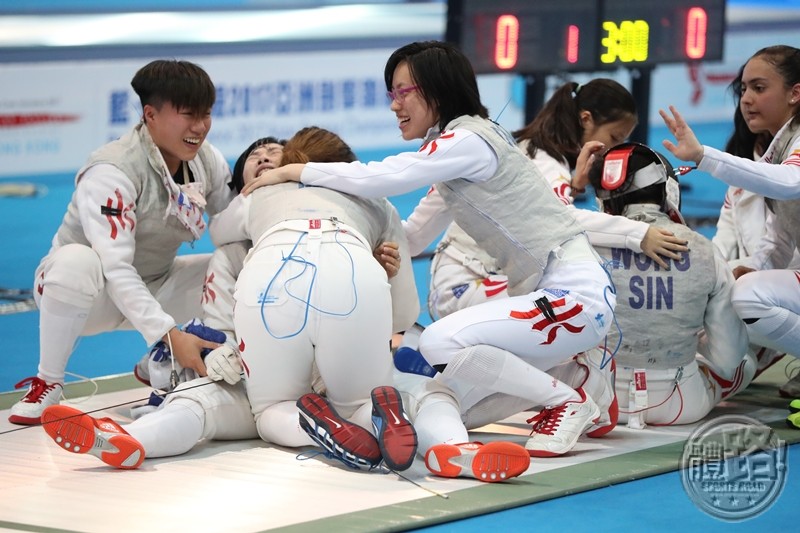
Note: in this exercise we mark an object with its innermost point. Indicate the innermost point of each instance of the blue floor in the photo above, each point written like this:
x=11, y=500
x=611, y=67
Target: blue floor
x=654, y=504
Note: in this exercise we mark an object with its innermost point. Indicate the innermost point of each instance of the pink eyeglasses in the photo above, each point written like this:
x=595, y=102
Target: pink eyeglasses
x=400, y=94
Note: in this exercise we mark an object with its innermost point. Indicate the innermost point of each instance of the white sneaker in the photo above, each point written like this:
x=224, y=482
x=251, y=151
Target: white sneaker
x=141, y=371
x=765, y=358
x=557, y=429
x=583, y=371
x=28, y=411
x=600, y=385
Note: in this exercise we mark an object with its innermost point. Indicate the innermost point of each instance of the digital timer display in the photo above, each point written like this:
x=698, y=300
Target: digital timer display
x=585, y=35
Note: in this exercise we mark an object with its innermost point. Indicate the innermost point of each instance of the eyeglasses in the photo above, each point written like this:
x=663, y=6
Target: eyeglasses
x=400, y=94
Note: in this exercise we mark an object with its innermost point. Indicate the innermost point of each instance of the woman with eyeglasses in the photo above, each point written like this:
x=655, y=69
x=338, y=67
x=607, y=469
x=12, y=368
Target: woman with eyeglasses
x=561, y=300
x=577, y=122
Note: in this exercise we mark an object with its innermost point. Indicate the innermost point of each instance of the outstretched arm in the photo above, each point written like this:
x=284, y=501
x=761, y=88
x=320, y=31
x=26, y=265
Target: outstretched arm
x=688, y=147
x=274, y=176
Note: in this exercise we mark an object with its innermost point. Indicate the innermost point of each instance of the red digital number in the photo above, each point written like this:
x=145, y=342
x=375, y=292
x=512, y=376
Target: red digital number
x=696, y=30
x=573, y=43
x=506, y=47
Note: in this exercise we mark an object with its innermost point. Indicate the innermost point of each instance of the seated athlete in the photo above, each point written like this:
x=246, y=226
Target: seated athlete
x=661, y=312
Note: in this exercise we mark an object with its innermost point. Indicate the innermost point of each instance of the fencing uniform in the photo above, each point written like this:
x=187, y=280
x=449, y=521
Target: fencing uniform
x=115, y=253
x=310, y=293
x=493, y=191
x=463, y=275
x=769, y=300
x=660, y=316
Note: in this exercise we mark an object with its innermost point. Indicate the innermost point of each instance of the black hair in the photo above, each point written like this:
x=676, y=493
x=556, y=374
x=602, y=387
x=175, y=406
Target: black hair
x=557, y=128
x=786, y=61
x=181, y=83
x=237, y=181
x=444, y=77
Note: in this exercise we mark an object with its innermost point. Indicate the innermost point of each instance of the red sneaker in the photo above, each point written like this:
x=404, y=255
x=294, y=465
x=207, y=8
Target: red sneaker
x=78, y=432
x=340, y=438
x=397, y=438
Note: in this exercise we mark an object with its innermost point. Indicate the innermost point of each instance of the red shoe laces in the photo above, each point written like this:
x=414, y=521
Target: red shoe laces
x=547, y=420
x=38, y=388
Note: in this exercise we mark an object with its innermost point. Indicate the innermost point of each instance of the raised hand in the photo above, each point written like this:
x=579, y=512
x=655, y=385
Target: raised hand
x=688, y=147
x=585, y=159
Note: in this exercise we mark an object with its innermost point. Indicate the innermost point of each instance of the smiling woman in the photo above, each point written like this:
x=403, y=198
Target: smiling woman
x=494, y=192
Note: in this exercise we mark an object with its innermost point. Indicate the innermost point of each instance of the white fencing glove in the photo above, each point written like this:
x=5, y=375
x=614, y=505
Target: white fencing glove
x=223, y=364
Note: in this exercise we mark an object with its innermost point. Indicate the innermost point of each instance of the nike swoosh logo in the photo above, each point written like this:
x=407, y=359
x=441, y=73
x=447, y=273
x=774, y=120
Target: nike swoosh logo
x=335, y=423
x=396, y=420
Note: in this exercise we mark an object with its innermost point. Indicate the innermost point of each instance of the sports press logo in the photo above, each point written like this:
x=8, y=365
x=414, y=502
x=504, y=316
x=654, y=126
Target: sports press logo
x=734, y=467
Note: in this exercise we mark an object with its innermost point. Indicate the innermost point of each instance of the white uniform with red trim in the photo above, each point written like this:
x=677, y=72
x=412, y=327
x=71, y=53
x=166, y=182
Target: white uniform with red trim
x=769, y=300
x=201, y=409
x=476, y=159
x=116, y=249
x=463, y=275
x=311, y=292
x=660, y=314
x=741, y=226
x=218, y=411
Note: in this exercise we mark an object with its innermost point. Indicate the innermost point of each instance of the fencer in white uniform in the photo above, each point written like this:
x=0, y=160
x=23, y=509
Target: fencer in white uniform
x=113, y=262
x=767, y=293
x=660, y=312
x=579, y=120
x=561, y=300
x=311, y=293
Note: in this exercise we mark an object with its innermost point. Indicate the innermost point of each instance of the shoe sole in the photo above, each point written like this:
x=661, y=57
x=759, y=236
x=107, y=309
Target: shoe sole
x=24, y=420
x=345, y=437
x=397, y=438
x=492, y=463
x=77, y=432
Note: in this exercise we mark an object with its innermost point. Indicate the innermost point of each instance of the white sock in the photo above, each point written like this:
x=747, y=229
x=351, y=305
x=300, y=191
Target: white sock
x=439, y=422
x=60, y=325
x=501, y=371
x=780, y=331
x=172, y=430
x=280, y=424
x=495, y=408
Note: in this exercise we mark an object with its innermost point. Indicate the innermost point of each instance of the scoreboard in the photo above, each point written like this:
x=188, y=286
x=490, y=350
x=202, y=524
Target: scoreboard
x=584, y=35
